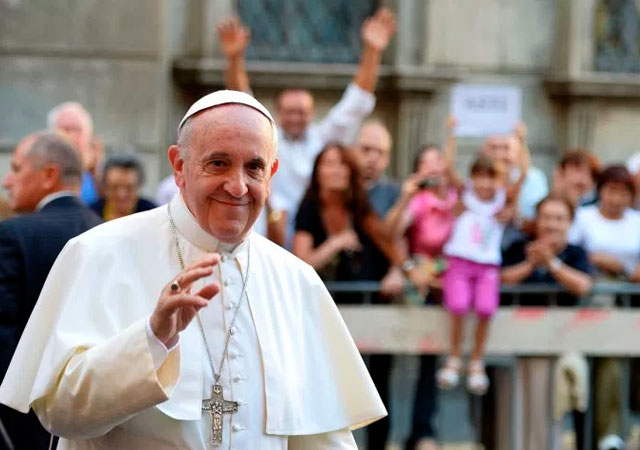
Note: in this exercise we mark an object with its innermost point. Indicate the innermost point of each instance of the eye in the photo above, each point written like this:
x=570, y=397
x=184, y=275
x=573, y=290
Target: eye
x=216, y=164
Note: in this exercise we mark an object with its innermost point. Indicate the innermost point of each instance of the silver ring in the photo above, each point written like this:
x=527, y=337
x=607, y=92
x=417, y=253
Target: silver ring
x=175, y=286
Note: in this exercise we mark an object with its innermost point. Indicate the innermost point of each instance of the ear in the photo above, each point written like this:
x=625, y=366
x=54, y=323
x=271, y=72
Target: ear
x=177, y=163
x=52, y=177
x=274, y=169
x=274, y=166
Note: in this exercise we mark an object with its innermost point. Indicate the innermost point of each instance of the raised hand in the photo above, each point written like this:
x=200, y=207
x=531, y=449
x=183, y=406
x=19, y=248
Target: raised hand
x=520, y=131
x=175, y=310
x=234, y=37
x=451, y=123
x=378, y=30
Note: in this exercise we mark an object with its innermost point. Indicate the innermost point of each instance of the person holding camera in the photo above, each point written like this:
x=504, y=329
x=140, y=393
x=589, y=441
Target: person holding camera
x=425, y=210
x=425, y=213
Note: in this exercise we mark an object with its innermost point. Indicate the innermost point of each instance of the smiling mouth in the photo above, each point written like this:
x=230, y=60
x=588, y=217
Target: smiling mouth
x=231, y=203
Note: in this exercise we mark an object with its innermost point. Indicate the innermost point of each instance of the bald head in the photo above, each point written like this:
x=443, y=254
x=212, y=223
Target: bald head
x=42, y=164
x=50, y=148
x=373, y=149
x=502, y=148
x=72, y=120
x=187, y=128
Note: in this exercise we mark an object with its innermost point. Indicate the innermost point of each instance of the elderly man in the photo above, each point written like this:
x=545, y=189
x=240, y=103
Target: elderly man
x=300, y=139
x=75, y=122
x=44, y=178
x=180, y=328
x=506, y=150
x=373, y=151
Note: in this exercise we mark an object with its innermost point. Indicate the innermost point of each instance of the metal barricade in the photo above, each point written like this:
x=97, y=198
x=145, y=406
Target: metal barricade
x=628, y=319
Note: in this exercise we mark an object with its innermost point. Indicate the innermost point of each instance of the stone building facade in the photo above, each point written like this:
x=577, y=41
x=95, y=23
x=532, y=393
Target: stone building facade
x=137, y=65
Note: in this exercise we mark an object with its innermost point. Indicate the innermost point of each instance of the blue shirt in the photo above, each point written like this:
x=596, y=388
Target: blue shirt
x=88, y=192
x=383, y=195
x=534, y=188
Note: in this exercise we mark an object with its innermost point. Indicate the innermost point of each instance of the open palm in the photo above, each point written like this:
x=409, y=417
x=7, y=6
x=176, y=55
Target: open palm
x=378, y=30
x=234, y=37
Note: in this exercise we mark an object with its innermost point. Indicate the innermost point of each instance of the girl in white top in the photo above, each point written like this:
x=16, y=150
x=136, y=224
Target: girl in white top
x=473, y=262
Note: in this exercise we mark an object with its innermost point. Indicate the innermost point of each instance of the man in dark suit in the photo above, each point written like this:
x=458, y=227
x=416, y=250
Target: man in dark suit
x=42, y=185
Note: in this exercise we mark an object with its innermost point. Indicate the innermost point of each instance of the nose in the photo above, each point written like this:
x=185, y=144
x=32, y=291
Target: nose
x=6, y=181
x=236, y=185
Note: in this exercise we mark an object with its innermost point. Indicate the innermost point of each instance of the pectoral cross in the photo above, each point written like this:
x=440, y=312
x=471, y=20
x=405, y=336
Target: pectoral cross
x=217, y=406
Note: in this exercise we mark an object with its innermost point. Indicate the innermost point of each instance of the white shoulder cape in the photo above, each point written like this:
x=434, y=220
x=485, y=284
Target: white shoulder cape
x=111, y=276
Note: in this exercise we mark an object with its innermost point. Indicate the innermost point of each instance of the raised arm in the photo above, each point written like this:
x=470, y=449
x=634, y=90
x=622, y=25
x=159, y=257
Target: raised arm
x=376, y=33
x=397, y=219
x=451, y=153
x=94, y=389
x=343, y=120
x=524, y=161
x=234, y=38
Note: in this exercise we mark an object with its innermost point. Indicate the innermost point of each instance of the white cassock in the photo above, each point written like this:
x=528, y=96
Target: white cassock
x=85, y=362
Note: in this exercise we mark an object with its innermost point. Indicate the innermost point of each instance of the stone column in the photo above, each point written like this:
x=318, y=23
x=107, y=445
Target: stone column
x=413, y=121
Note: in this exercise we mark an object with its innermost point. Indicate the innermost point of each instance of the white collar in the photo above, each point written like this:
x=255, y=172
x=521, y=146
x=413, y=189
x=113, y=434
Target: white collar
x=188, y=227
x=51, y=197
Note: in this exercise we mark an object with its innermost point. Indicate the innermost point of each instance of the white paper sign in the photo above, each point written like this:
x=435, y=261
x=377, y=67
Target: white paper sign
x=482, y=110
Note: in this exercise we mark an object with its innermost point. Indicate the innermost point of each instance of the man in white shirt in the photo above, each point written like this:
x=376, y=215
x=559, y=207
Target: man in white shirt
x=506, y=151
x=300, y=140
x=180, y=328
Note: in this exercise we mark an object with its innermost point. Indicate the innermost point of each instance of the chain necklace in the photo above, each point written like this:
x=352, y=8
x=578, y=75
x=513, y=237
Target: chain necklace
x=216, y=406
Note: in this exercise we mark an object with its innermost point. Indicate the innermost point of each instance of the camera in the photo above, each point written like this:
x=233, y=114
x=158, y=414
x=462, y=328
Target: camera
x=428, y=183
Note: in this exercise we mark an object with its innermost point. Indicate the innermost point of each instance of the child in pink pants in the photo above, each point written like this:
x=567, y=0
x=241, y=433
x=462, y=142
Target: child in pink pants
x=472, y=278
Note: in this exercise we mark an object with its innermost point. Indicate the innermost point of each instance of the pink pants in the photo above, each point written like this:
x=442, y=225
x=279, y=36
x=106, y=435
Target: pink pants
x=466, y=281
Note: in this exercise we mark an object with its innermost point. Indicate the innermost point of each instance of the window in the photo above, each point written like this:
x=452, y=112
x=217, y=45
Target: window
x=305, y=30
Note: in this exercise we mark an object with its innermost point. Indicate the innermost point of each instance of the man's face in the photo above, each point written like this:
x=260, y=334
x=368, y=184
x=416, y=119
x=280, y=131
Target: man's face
x=577, y=179
x=502, y=149
x=373, y=150
x=25, y=184
x=121, y=187
x=295, y=111
x=73, y=125
x=225, y=176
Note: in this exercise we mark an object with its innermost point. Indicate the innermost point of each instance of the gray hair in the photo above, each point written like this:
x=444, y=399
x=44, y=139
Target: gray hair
x=51, y=148
x=184, y=137
x=52, y=116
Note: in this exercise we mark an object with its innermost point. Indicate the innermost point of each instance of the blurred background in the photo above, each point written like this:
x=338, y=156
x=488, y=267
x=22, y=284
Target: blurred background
x=136, y=66
x=568, y=69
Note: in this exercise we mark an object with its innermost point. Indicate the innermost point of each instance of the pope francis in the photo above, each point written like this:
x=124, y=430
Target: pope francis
x=179, y=328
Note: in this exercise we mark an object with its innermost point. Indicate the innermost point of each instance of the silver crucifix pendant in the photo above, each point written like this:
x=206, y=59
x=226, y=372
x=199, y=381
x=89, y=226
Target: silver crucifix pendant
x=216, y=406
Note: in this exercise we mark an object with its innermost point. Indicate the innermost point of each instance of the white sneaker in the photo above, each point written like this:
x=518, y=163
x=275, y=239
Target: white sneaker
x=449, y=375
x=611, y=442
x=477, y=380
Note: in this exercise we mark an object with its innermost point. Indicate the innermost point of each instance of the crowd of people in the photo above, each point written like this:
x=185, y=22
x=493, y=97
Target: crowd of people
x=452, y=238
